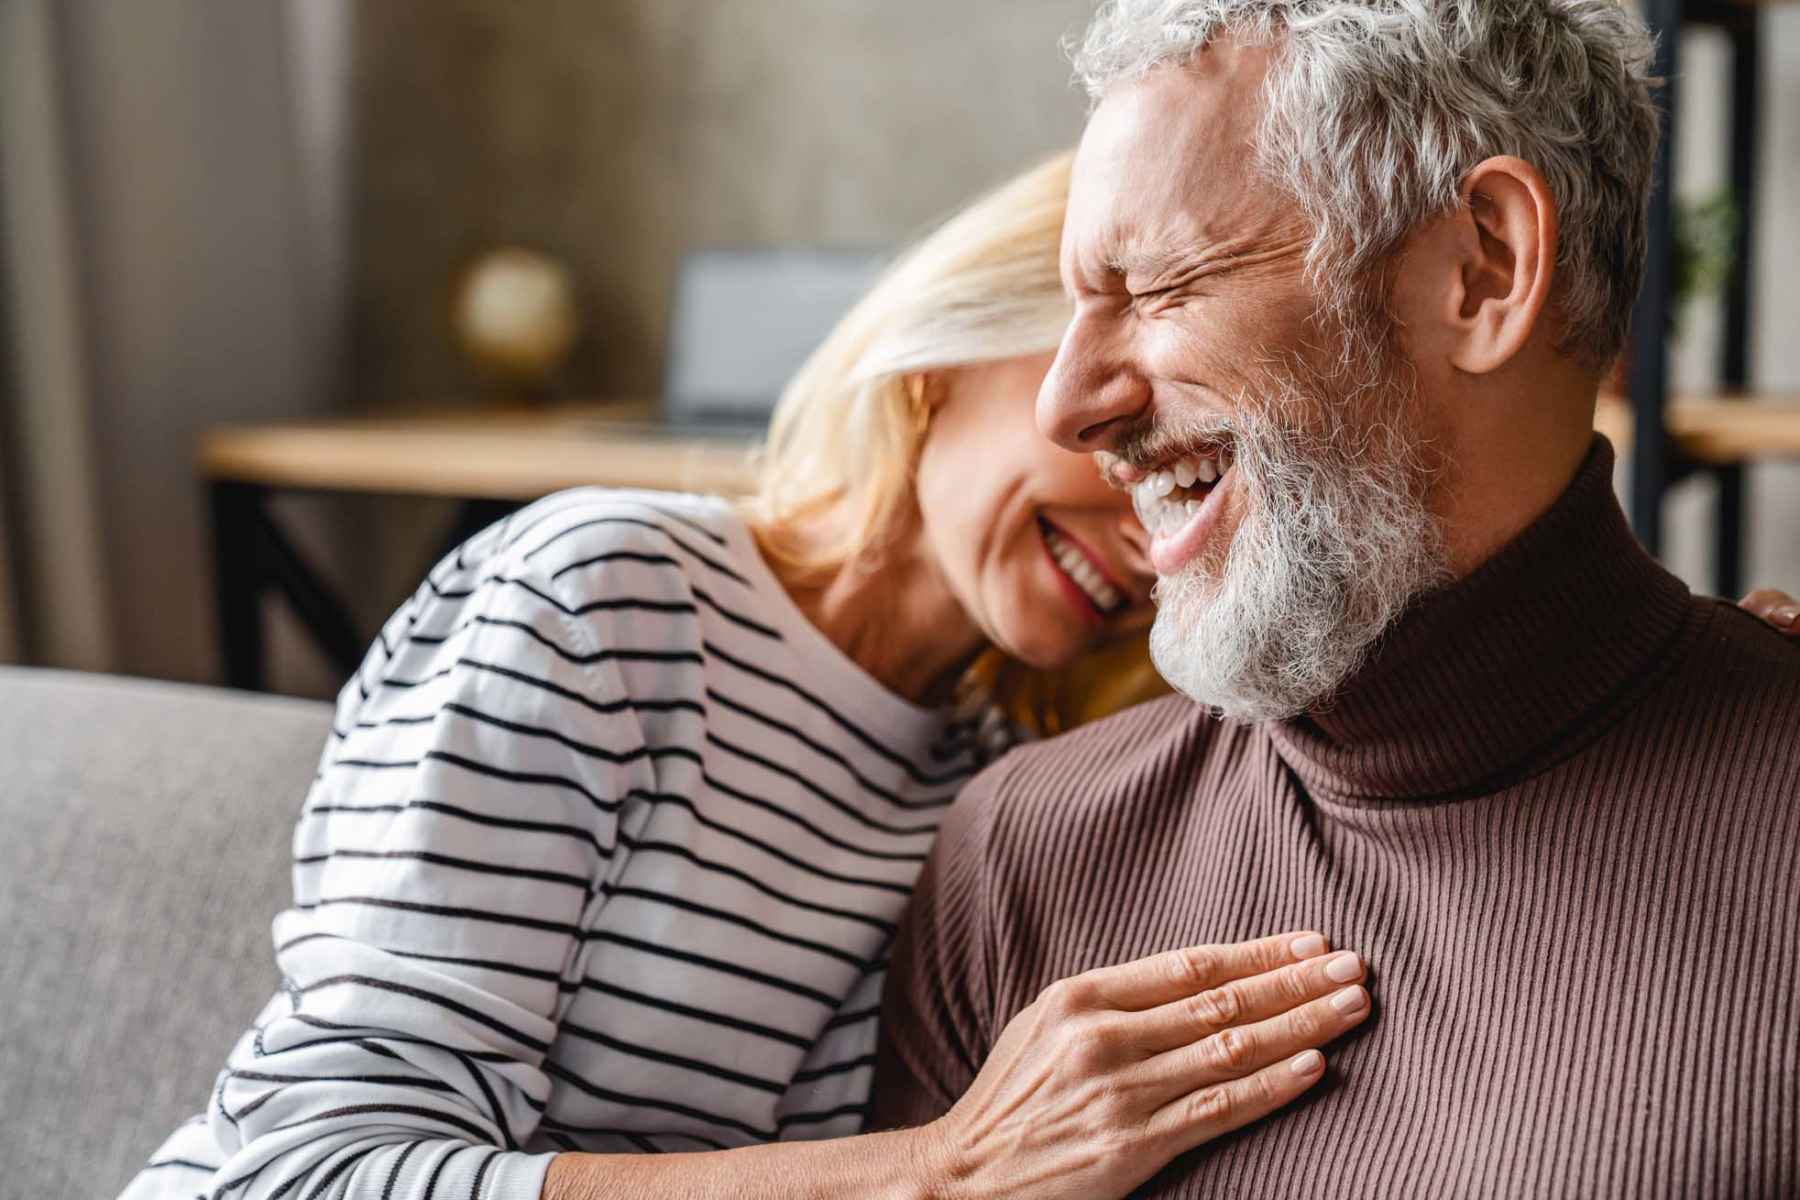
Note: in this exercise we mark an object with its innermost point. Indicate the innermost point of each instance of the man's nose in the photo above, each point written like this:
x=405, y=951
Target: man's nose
x=1088, y=397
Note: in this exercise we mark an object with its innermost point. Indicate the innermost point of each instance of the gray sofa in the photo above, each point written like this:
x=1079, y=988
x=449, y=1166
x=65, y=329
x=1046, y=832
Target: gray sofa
x=144, y=843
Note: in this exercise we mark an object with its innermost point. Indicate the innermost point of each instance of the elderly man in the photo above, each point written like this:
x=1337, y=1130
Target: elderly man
x=1346, y=277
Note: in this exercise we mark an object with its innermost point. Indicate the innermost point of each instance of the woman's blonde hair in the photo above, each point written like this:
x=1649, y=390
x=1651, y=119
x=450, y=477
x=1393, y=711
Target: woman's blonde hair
x=847, y=431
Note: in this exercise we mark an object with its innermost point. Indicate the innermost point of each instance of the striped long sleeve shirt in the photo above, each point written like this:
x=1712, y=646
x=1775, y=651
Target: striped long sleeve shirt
x=604, y=853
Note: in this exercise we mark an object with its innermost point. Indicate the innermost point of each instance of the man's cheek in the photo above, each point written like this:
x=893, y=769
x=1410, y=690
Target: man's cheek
x=1197, y=352
x=1218, y=551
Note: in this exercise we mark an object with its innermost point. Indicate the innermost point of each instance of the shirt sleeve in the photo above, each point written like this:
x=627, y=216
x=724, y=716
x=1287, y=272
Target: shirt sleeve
x=447, y=863
x=937, y=1012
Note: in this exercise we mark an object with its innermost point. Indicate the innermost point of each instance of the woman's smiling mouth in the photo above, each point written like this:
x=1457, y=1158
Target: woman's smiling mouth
x=1082, y=571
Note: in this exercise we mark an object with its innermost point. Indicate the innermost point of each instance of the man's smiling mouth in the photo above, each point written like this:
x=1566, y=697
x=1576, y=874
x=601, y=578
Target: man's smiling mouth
x=1168, y=498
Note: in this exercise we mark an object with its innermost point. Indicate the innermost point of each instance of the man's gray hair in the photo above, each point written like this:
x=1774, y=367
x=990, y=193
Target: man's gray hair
x=1376, y=110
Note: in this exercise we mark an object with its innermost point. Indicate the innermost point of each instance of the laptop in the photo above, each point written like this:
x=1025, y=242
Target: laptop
x=744, y=321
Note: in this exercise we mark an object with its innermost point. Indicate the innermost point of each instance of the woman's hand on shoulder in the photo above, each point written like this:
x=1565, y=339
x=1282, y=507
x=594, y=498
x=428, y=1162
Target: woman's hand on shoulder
x=1112, y=1073
x=1775, y=607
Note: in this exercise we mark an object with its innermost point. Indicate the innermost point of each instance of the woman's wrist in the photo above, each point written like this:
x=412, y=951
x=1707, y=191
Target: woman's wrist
x=924, y=1174
x=900, y=1164
x=939, y=1170
x=904, y=1164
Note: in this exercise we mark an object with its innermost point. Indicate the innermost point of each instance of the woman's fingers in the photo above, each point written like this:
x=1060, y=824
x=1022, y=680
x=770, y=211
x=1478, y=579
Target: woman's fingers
x=1202, y=1115
x=1162, y=978
x=1244, y=1001
x=1238, y=1052
x=1107, y=1075
x=1774, y=606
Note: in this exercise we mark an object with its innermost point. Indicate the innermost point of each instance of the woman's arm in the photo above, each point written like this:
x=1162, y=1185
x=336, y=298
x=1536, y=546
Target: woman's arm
x=876, y=1166
x=1089, y=1091
x=444, y=872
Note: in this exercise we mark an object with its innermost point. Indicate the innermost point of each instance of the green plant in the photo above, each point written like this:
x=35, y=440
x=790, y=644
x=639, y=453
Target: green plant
x=1706, y=247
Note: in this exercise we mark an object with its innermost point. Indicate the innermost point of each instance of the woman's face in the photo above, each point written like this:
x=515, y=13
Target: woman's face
x=1044, y=557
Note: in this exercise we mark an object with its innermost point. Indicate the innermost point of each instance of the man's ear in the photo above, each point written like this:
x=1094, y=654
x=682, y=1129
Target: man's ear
x=1506, y=246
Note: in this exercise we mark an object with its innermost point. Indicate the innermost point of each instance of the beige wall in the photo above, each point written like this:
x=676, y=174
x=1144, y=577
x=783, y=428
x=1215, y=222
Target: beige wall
x=617, y=134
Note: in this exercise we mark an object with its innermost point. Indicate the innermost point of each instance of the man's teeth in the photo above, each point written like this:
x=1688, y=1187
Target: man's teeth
x=1158, y=507
x=1076, y=566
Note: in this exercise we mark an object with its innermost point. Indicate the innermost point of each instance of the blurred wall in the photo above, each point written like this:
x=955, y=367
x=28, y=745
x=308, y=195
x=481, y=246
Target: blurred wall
x=617, y=134
x=57, y=579
x=195, y=253
x=166, y=257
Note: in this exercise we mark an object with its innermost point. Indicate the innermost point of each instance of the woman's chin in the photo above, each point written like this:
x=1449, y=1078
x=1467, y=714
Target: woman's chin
x=1042, y=653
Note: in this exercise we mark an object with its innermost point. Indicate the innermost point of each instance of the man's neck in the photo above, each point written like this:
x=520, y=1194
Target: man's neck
x=1499, y=669
x=1510, y=454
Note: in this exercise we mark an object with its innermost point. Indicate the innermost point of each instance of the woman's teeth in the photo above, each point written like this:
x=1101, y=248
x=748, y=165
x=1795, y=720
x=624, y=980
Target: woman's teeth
x=1155, y=496
x=1087, y=577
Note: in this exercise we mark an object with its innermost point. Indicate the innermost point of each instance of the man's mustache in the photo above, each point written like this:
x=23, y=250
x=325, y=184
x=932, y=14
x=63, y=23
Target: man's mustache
x=1152, y=441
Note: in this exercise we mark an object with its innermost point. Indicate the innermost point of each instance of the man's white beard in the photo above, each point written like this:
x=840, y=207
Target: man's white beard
x=1336, y=541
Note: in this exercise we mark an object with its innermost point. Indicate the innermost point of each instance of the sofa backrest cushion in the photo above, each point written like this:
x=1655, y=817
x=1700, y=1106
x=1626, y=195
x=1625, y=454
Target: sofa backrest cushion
x=144, y=848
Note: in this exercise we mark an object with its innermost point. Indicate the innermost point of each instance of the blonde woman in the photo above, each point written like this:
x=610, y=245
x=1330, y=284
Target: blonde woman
x=618, y=815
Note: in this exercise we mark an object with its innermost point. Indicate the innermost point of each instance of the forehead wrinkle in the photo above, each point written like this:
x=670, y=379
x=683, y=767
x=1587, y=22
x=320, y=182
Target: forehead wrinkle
x=1175, y=242
x=1194, y=252
x=1139, y=259
x=1251, y=252
x=1201, y=255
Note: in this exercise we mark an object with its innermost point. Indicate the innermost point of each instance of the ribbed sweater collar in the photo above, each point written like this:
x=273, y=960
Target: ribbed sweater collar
x=1505, y=671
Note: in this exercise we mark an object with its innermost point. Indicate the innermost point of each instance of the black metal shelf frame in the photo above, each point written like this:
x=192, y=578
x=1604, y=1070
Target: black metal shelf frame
x=1656, y=465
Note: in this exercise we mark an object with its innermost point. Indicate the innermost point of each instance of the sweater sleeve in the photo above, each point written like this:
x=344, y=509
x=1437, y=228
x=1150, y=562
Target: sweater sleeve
x=937, y=1011
x=448, y=860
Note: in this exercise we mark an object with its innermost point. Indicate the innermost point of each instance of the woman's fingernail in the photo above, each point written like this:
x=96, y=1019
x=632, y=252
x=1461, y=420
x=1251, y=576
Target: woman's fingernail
x=1308, y=1062
x=1350, y=1000
x=1343, y=967
x=1309, y=946
x=1787, y=614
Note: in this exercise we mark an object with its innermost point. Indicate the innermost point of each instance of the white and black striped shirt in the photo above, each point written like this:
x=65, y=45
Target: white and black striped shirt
x=604, y=854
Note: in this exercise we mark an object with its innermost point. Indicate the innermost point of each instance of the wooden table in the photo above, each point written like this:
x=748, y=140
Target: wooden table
x=1715, y=428
x=494, y=461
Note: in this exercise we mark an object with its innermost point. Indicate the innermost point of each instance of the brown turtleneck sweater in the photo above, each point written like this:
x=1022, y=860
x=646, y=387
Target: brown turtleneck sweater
x=1559, y=813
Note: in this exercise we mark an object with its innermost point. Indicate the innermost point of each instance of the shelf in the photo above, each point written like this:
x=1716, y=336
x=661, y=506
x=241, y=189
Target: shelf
x=1716, y=429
